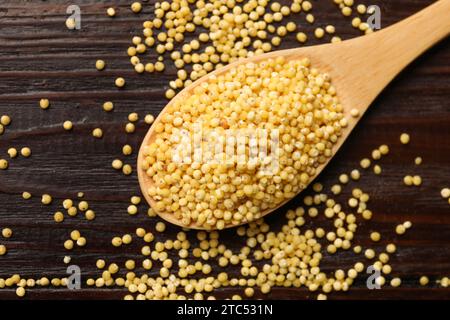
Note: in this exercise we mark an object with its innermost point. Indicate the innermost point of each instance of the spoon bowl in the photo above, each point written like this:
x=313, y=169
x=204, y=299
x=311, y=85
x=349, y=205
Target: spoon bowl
x=360, y=69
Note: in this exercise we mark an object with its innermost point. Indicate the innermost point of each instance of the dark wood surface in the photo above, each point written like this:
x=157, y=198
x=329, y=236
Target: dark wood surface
x=40, y=57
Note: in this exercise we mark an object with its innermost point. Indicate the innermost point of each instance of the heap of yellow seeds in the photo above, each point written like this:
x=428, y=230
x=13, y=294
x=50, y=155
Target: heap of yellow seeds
x=288, y=96
x=230, y=30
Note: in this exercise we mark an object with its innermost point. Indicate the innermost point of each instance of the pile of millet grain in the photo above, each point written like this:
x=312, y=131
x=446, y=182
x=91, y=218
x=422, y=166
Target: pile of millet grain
x=323, y=240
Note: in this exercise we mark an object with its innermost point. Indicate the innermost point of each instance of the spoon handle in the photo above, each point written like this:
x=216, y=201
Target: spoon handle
x=385, y=53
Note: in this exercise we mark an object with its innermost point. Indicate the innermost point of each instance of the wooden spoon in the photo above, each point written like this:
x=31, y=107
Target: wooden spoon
x=360, y=69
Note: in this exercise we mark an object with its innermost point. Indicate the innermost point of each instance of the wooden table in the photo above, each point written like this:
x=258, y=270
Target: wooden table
x=40, y=57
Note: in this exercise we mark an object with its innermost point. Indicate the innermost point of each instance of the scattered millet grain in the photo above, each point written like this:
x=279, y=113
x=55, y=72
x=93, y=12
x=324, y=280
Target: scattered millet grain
x=100, y=65
x=25, y=152
x=26, y=195
x=127, y=170
x=68, y=244
x=108, y=106
x=97, y=133
x=149, y=119
x=404, y=138
x=12, y=152
x=46, y=199
x=44, y=104
x=20, y=292
x=365, y=163
x=5, y=120
x=119, y=82
x=136, y=7
x=58, y=217
x=375, y=236
x=117, y=164
x=400, y=229
x=424, y=280
x=445, y=193
x=71, y=23
x=7, y=233
x=68, y=125
x=111, y=12
x=396, y=282
x=418, y=161
x=3, y=164
x=130, y=127
x=377, y=169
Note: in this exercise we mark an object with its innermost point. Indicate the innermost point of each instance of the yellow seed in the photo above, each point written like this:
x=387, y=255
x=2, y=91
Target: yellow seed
x=149, y=119
x=72, y=211
x=83, y=206
x=20, y=292
x=120, y=82
x=384, y=149
x=44, y=103
x=132, y=210
x=12, y=152
x=354, y=113
x=365, y=163
x=417, y=180
x=346, y=11
x=108, y=106
x=355, y=174
x=377, y=169
x=7, y=233
x=68, y=125
x=404, y=138
x=396, y=282
x=25, y=152
x=361, y=8
x=117, y=164
x=127, y=170
x=100, y=263
x=418, y=161
x=68, y=244
x=3, y=164
x=81, y=242
x=319, y=33
x=75, y=235
x=375, y=236
x=46, y=199
x=445, y=193
x=136, y=7
x=160, y=226
x=249, y=292
x=89, y=215
x=5, y=120
x=400, y=229
x=133, y=117
x=126, y=239
x=26, y=195
x=135, y=200
x=71, y=24
x=391, y=248
x=408, y=180
x=111, y=12
x=130, y=127
x=407, y=224
x=2, y=250
x=127, y=150
x=58, y=217
x=97, y=133
x=116, y=241
x=424, y=280
x=100, y=65
x=330, y=29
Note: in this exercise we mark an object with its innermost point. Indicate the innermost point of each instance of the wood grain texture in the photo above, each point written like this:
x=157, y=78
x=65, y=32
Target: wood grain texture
x=39, y=58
